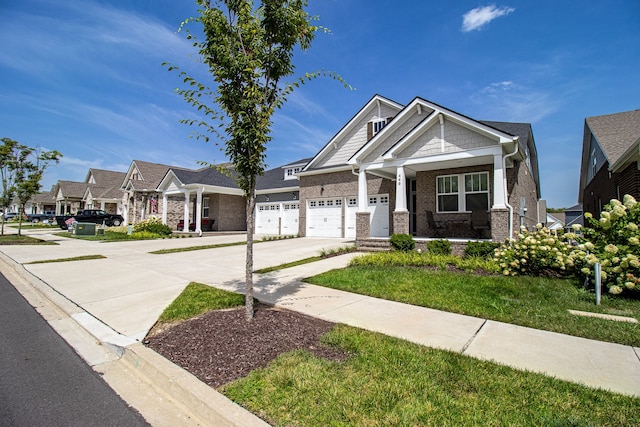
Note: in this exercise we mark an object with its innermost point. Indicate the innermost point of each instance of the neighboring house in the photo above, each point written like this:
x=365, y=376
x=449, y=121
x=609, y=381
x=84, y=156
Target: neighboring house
x=277, y=200
x=103, y=191
x=573, y=215
x=610, y=160
x=403, y=169
x=140, y=198
x=69, y=196
x=211, y=200
x=206, y=198
x=555, y=221
x=41, y=202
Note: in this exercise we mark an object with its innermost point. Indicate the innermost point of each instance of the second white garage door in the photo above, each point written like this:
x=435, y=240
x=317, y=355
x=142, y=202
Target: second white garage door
x=324, y=218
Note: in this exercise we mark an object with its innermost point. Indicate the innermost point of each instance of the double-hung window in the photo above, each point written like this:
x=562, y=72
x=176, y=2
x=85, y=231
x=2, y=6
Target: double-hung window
x=448, y=197
x=472, y=195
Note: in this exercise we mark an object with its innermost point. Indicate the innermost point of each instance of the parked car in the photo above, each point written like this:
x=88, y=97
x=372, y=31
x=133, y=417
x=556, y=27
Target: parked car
x=42, y=217
x=8, y=216
x=95, y=216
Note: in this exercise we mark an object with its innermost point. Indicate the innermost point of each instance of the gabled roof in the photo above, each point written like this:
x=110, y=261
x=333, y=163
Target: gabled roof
x=333, y=142
x=44, y=197
x=151, y=175
x=432, y=112
x=100, y=192
x=617, y=134
x=206, y=176
x=71, y=189
x=105, y=178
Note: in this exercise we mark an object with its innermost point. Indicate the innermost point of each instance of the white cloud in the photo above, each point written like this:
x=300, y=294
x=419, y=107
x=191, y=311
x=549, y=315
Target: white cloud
x=511, y=102
x=477, y=18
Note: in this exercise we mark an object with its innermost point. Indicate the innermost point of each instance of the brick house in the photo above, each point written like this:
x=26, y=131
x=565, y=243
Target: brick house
x=140, y=197
x=208, y=200
x=610, y=165
x=421, y=169
x=103, y=191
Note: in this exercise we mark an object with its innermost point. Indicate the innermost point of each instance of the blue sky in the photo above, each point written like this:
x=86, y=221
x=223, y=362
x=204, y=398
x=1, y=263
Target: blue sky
x=85, y=77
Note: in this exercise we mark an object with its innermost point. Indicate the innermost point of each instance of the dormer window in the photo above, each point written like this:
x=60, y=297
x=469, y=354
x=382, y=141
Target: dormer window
x=289, y=173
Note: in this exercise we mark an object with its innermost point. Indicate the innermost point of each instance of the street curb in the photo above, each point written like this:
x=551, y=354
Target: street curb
x=202, y=404
x=206, y=404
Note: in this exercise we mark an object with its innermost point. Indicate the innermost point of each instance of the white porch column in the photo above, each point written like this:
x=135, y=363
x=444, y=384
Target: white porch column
x=165, y=200
x=199, y=210
x=499, y=187
x=102, y=203
x=187, y=196
x=401, y=190
x=362, y=191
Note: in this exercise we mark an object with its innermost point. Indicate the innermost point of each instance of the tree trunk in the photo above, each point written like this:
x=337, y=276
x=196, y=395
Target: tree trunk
x=251, y=201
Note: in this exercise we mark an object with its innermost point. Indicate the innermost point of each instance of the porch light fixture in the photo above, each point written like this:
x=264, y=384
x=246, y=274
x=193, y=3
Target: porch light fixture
x=294, y=196
x=266, y=197
x=321, y=188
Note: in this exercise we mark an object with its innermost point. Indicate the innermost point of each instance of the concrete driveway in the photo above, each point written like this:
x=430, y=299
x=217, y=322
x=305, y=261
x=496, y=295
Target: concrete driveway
x=130, y=287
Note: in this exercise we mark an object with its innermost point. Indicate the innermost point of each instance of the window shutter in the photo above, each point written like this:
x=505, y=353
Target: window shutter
x=369, y=131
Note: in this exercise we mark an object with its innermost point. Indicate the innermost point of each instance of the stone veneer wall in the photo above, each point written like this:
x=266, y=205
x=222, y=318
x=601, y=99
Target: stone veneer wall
x=341, y=184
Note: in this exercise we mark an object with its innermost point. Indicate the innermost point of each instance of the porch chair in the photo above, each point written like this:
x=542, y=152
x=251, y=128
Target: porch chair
x=434, y=227
x=480, y=221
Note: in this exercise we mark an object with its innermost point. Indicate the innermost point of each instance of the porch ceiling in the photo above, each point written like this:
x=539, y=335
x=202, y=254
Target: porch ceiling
x=411, y=169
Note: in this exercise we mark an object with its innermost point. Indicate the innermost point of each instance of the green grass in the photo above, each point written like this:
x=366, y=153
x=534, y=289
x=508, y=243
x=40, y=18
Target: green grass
x=197, y=299
x=390, y=382
x=77, y=258
x=536, y=302
x=323, y=255
x=196, y=248
x=14, y=239
x=113, y=236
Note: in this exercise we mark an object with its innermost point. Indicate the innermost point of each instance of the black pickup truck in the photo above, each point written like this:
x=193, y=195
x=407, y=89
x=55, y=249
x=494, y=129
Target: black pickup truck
x=95, y=216
x=40, y=217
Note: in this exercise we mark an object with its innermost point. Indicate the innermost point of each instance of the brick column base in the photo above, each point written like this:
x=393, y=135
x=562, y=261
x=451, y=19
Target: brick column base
x=499, y=225
x=401, y=222
x=363, y=227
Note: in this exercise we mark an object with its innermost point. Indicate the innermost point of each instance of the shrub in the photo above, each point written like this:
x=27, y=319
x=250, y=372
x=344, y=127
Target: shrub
x=480, y=249
x=152, y=225
x=439, y=247
x=613, y=240
x=537, y=253
x=402, y=242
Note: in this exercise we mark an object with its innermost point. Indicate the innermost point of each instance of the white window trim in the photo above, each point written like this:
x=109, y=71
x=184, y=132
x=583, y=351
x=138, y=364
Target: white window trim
x=379, y=123
x=462, y=192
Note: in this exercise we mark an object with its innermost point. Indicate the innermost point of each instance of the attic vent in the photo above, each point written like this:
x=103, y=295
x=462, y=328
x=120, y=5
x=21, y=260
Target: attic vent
x=375, y=126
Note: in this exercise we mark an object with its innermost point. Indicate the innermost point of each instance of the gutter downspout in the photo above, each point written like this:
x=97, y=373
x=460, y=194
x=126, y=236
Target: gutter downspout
x=506, y=202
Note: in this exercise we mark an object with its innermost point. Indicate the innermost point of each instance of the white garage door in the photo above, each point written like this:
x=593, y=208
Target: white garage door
x=324, y=218
x=350, y=217
x=268, y=218
x=289, y=221
x=378, y=206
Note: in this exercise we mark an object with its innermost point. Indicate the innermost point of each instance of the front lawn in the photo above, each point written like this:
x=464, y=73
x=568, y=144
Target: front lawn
x=536, y=302
x=14, y=239
x=391, y=382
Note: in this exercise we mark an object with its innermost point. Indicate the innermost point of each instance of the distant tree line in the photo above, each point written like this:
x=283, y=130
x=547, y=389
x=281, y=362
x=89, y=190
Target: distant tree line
x=21, y=172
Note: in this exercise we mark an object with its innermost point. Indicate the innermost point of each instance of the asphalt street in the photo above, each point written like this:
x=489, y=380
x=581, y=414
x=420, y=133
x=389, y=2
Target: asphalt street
x=43, y=382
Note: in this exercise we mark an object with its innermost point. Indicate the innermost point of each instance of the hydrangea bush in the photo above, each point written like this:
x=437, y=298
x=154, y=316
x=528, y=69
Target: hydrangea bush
x=613, y=240
x=535, y=253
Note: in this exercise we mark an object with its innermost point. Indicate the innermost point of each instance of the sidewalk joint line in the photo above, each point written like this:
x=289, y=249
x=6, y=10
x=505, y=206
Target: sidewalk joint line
x=473, y=337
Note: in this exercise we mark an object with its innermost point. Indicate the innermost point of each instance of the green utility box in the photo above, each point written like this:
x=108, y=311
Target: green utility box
x=84, y=229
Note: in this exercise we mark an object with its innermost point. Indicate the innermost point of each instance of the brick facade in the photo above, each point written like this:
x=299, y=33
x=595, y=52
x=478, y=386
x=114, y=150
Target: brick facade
x=340, y=184
x=610, y=185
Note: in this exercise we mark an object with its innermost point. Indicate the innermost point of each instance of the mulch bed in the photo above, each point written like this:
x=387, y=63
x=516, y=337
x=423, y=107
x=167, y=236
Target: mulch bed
x=221, y=346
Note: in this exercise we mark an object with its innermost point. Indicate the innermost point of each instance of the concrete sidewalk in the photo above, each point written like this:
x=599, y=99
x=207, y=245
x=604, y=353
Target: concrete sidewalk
x=119, y=298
